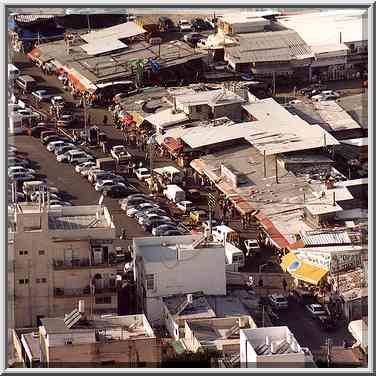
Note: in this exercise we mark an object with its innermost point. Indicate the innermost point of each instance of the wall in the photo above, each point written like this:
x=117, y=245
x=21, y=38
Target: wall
x=232, y=111
x=203, y=270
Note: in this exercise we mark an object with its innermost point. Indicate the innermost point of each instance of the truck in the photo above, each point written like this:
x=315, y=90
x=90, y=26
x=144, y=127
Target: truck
x=106, y=164
x=223, y=233
x=252, y=247
x=174, y=193
x=120, y=154
x=234, y=255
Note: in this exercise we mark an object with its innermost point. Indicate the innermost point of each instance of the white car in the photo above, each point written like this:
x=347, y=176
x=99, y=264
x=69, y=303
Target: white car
x=141, y=207
x=185, y=206
x=15, y=169
x=87, y=171
x=59, y=202
x=54, y=144
x=106, y=183
x=35, y=196
x=142, y=173
x=83, y=166
x=184, y=25
x=326, y=95
x=278, y=301
x=316, y=310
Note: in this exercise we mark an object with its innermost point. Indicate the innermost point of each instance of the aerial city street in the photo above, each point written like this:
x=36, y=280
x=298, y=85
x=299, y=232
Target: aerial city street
x=187, y=188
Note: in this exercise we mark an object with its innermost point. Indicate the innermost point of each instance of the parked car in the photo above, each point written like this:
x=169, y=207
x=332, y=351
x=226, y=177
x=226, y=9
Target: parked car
x=134, y=202
x=172, y=232
x=84, y=165
x=193, y=38
x=16, y=161
x=120, y=153
x=103, y=175
x=65, y=120
x=36, y=131
x=309, y=89
x=185, y=206
x=158, y=231
x=52, y=145
x=142, y=173
x=65, y=157
x=64, y=148
x=44, y=134
x=153, y=222
x=86, y=171
x=278, y=301
x=41, y=95
x=316, y=310
x=325, y=95
x=53, y=137
x=21, y=177
x=141, y=216
x=199, y=24
x=184, y=25
x=132, y=210
x=35, y=196
x=117, y=191
x=105, y=183
x=17, y=169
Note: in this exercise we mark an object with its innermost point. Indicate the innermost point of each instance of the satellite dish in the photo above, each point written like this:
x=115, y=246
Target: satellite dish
x=101, y=200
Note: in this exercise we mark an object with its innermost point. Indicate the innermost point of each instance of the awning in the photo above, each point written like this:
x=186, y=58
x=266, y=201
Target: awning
x=127, y=119
x=80, y=82
x=302, y=270
x=172, y=145
x=137, y=118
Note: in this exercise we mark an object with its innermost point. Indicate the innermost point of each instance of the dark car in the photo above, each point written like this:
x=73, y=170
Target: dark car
x=193, y=38
x=199, y=24
x=172, y=233
x=43, y=134
x=156, y=221
x=36, y=131
x=308, y=90
x=165, y=24
x=117, y=191
x=15, y=161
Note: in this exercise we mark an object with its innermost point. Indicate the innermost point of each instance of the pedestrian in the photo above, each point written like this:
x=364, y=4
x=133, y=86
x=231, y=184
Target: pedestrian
x=261, y=283
x=105, y=120
x=284, y=283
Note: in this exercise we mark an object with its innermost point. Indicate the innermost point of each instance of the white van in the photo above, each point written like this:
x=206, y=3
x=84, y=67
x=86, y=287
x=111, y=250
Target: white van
x=77, y=156
x=13, y=72
x=234, y=255
x=223, y=233
x=174, y=193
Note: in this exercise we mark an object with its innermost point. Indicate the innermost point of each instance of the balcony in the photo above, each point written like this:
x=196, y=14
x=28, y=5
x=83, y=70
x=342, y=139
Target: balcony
x=66, y=293
x=110, y=262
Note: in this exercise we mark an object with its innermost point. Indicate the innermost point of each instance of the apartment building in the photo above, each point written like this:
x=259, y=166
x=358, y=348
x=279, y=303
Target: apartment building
x=60, y=256
x=79, y=340
x=170, y=265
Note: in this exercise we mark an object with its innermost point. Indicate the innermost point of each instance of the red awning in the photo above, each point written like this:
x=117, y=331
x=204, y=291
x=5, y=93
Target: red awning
x=127, y=119
x=80, y=82
x=172, y=145
x=34, y=54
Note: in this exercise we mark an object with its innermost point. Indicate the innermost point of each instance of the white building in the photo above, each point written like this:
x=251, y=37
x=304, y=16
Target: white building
x=176, y=264
x=272, y=347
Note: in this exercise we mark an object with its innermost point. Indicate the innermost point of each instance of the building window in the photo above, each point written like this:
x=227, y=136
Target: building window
x=37, y=280
x=150, y=281
x=44, y=280
x=23, y=281
x=103, y=300
x=24, y=253
x=198, y=109
x=41, y=252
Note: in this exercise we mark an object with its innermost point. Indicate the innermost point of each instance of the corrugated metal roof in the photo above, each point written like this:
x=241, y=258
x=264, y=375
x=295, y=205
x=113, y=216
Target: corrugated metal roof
x=282, y=45
x=321, y=238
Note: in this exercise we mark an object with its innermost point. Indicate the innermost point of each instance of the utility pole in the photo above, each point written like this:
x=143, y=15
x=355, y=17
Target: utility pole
x=85, y=118
x=276, y=170
x=88, y=23
x=328, y=351
x=273, y=82
x=264, y=164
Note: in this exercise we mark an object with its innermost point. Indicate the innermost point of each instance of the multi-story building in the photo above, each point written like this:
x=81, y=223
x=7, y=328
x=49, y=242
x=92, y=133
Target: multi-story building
x=272, y=347
x=81, y=340
x=61, y=255
x=170, y=265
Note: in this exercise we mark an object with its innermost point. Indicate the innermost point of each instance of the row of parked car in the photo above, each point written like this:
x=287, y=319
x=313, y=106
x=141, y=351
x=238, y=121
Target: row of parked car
x=28, y=184
x=148, y=213
x=319, y=92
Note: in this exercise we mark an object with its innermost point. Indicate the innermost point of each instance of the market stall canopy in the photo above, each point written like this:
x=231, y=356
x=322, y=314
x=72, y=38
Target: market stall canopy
x=80, y=82
x=122, y=31
x=302, y=270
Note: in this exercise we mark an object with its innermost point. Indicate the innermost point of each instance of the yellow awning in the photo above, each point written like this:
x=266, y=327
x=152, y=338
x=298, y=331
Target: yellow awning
x=137, y=118
x=302, y=270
